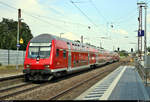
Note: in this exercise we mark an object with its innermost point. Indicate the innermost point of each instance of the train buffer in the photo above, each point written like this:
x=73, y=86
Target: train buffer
x=124, y=83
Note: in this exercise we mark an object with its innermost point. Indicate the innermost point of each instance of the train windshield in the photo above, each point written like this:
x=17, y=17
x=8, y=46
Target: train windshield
x=41, y=50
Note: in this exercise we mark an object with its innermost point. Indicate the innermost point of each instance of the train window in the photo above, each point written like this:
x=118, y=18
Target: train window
x=64, y=53
x=74, y=60
x=42, y=51
x=57, y=52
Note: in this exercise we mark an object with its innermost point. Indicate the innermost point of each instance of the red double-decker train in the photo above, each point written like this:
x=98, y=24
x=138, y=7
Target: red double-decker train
x=48, y=56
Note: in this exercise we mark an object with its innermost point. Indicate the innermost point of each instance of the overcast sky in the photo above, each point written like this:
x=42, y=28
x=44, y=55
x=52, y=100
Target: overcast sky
x=115, y=20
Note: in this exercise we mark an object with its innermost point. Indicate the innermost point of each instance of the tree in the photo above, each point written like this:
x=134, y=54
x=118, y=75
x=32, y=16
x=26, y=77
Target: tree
x=8, y=34
x=123, y=53
x=115, y=51
x=77, y=41
x=148, y=49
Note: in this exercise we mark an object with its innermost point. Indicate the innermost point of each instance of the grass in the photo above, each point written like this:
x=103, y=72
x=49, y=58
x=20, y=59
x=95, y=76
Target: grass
x=122, y=57
x=10, y=69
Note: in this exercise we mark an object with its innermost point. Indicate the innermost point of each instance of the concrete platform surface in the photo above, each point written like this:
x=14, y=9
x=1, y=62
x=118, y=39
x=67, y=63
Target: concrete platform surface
x=129, y=87
x=122, y=84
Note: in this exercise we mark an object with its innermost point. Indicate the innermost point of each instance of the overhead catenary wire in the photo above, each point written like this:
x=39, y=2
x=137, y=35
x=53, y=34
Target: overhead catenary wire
x=47, y=22
x=98, y=11
x=26, y=13
x=100, y=14
x=83, y=13
x=7, y=5
x=129, y=17
x=46, y=16
x=35, y=17
x=89, y=19
x=63, y=21
x=39, y=16
x=41, y=19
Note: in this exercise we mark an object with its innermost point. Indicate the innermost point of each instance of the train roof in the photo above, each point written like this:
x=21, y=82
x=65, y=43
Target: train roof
x=47, y=38
x=43, y=38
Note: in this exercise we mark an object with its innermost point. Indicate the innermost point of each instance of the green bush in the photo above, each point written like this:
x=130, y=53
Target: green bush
x=0, y=64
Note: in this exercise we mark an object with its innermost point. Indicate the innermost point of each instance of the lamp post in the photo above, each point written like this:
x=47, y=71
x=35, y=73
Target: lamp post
x=18, y=32
x=61, y=34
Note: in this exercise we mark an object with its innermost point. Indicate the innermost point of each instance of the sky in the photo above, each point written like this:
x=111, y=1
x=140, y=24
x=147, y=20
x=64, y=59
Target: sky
x=109, y=23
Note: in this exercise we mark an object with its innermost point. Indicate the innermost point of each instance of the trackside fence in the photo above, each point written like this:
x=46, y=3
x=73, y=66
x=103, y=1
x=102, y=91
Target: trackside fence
x=144, y=71
x=9, y=57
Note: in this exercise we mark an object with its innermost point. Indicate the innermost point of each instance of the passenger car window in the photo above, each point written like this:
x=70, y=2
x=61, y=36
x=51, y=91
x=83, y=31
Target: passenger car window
x=57, y=52
x=64, y=53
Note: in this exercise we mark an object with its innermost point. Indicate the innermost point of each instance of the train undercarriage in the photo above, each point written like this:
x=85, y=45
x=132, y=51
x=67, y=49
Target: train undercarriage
x=37, y=75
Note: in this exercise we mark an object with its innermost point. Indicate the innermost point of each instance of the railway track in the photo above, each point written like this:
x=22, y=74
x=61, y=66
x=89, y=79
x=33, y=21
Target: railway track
x=3, y=89
x=24, y=90
x=19, y=89
x=14, y=85
x=62, y=93
x=9, y=83
x=11, y=77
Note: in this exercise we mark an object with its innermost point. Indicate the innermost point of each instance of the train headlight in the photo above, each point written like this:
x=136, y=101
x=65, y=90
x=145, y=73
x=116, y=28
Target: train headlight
x=46, y=66
x=27, y=66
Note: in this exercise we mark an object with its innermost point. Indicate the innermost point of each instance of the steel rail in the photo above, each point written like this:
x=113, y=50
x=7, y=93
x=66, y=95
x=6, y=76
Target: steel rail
x=14, y=87
x=11, y=77
x=21, y=91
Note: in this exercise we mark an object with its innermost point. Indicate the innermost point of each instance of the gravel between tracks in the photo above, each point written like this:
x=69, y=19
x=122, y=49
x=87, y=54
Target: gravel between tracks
x=10, y=82
x=44, y=93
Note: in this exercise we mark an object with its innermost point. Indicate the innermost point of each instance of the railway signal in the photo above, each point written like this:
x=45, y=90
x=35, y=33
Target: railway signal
x=118, y=49
x=131, y=49
x=21, y=41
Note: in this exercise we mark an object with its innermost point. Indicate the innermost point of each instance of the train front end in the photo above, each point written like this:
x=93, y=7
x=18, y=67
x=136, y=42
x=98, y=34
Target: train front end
x=38, y=59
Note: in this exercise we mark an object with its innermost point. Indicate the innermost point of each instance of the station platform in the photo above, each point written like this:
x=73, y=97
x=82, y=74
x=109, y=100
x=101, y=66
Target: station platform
x=122, y=84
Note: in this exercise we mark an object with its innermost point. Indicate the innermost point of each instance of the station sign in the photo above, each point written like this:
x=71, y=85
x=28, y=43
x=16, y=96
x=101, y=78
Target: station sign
x=18, y=45
x=140, y=33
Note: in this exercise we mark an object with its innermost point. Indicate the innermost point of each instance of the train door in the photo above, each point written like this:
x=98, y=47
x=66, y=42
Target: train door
x=69, y=56
x=97, y=58
x=88, y=57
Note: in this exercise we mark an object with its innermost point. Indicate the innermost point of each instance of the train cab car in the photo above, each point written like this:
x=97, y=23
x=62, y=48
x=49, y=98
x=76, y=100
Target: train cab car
x=38, y=58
